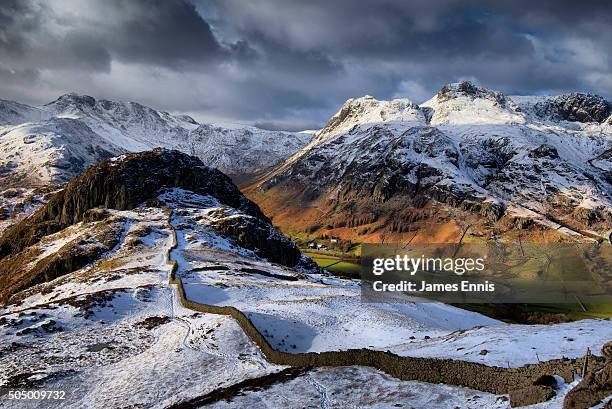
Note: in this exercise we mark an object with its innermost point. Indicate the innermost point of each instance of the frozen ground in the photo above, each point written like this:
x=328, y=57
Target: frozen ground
x=344, y=388
x=315, y=316
x=113, y=334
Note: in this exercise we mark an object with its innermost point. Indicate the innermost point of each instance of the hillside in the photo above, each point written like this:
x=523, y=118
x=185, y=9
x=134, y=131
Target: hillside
x=467, y=159
x=151, y=281
x=75, y=131
x=125, y=183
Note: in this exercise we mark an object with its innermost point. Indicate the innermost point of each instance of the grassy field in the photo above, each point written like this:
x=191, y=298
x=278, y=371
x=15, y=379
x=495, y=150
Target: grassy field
x=336, y=265
x=554, y=312
x=349, y=266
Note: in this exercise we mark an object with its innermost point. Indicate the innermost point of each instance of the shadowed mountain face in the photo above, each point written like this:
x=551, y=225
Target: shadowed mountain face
x=469, y=156
x=125, y=183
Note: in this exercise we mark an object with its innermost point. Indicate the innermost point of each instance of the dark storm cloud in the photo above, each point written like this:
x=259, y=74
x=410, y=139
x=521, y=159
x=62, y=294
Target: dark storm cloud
x=93, y=33
x=290, y=64
x=162, y=32
x=28, y=43
x=513, y=46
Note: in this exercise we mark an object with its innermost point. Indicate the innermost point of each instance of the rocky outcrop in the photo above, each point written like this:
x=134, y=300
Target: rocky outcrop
x=576, y=107
x=124, y=183
x=467, y=89
x=259, y=236
x=544, y=151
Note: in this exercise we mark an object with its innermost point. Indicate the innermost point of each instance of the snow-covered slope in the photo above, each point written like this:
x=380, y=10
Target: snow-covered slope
x=242, y=150
x=99, y=319
x=55, y=142
x=464, y=103
x=12, y=113
x=467, y=148
x=50, y=151
x=130, y=125
x=367, y=110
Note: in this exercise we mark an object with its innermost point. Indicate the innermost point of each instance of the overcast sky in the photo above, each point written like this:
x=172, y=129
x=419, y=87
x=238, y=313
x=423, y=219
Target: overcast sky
x=290, y=64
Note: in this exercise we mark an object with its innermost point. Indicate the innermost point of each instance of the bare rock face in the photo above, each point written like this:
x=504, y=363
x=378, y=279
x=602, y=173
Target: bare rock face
x=467, y=89
x=255, y=234
x=576, y=107
x=124, y=183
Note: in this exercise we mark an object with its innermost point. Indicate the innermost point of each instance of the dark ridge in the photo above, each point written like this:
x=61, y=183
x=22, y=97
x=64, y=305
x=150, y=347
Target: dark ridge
x=124, y=183
x=575, y=107
x=253, y=384
x=74, y=99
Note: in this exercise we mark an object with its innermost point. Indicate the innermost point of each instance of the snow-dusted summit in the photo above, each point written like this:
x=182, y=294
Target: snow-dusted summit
x=359, y=111
x=465, y=103
x=55, y=142
x=393, y=166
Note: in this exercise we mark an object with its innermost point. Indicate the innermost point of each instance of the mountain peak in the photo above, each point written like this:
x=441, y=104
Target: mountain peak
x=470, y=90
x=73, y=98
x=575, y=107
x=467, y=103
x=367, y=109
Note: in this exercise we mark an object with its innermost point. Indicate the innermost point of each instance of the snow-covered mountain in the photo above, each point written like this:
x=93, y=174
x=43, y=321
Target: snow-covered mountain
x=50, y=151
x=242, y=150
x=393, y=166
x=14, y=113
x=55, y=142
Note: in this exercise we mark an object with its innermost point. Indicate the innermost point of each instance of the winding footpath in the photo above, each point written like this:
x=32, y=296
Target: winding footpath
x=495, y=380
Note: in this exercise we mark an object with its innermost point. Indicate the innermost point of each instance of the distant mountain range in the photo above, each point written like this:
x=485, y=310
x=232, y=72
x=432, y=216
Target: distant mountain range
x=467, y=159
x=55, y=142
